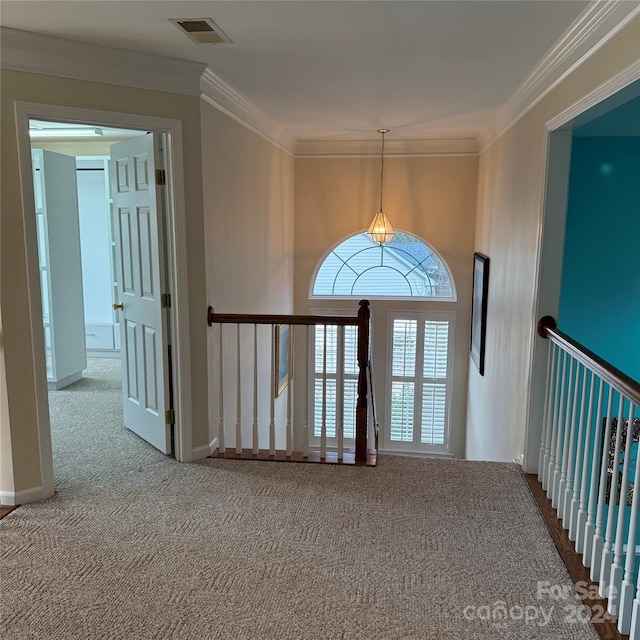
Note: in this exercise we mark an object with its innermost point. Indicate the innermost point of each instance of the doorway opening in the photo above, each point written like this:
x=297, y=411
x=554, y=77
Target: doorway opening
x=596, y=134
x=165, y=286
x=80, y=255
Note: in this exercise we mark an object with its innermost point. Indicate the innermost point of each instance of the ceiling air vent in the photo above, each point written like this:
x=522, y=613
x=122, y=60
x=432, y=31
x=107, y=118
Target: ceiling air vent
x=201, y=30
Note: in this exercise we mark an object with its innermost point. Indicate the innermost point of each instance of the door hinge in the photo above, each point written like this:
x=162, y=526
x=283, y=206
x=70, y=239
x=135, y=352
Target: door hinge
x=165, y=301
x=169, y=416
x=161, y=177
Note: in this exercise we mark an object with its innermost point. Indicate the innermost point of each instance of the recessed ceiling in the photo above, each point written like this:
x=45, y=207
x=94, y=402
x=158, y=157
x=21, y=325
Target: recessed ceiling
x=338, y=70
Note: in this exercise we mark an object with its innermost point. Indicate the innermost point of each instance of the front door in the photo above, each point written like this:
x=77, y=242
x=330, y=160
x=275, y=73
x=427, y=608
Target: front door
x=140, y=269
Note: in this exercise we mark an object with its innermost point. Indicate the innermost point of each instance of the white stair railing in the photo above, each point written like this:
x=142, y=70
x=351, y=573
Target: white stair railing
x=588, y=466
x=255, y=364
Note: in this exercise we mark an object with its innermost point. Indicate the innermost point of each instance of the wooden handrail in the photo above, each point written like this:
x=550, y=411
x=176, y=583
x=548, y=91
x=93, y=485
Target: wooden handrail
x=621, y=382
x=241, y=318
x=361, y=321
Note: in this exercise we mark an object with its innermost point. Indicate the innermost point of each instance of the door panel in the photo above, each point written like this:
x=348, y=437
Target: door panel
x=141, y=276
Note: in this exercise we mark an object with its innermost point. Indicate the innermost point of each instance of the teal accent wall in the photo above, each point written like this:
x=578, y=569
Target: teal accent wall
x=600, y=290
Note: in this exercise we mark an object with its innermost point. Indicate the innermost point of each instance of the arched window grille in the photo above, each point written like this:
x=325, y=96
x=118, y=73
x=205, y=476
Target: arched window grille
x=406, y=267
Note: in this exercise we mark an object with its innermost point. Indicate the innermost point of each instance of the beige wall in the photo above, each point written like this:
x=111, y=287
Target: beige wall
x=17, y=86
x=431, y=197
x=6, y=460
x=248, y=204
x=510, y=204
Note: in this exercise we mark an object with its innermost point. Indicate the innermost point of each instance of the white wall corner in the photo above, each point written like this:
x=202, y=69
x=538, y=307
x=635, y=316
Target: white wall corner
x=598, y=24
x=13, y=498
x=48, y=55
x=199, y=453
x=222, y=95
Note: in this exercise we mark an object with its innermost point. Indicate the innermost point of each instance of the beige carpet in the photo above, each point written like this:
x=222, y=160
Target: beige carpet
x=135, y=545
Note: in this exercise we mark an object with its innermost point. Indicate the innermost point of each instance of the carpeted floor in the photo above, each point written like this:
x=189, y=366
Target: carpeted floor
x=135, y=545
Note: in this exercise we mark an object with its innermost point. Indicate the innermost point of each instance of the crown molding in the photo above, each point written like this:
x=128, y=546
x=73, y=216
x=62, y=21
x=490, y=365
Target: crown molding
x=607, y=89
x=48, y=55
x=222, y=95
x=600, y=22
x=355, y=148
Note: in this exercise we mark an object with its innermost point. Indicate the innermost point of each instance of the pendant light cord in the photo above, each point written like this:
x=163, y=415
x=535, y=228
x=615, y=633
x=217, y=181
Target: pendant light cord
x=382, y=131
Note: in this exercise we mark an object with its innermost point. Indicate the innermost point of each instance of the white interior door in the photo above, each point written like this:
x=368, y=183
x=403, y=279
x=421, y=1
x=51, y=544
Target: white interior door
x=141, y=281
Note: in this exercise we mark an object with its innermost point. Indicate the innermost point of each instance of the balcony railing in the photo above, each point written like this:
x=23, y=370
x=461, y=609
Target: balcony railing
x=255, y=357
x=588, y=467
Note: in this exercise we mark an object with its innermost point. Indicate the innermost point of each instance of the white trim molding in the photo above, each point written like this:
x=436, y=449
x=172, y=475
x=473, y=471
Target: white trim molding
x=606, y=90
x=15, y=498
x=200, y=453
x=176, y=259
x=598, y=24
x=48, y=55
x=222, y=95
x=398, y=148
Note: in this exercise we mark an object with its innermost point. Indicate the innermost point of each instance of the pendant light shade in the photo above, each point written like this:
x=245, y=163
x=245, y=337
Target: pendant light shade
x=380, y=229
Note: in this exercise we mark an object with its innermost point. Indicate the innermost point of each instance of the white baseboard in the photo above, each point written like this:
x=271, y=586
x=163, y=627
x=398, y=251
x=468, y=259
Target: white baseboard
x=104, y=353
x=56, y=385
x=416, y=454
x=199, y=453
x=13, y=498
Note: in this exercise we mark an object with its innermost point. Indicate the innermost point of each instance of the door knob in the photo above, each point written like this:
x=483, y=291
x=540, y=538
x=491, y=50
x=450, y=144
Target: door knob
x=118, y=305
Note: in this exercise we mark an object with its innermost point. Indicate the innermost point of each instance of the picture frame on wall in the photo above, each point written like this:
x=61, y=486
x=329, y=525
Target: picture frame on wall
x=283, y=362
x=479, y=309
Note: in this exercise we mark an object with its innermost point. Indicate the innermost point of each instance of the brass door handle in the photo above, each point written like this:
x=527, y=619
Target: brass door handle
x=118, y=305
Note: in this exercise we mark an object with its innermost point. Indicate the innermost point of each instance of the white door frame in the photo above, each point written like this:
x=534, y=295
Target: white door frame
x=550, y=245
x=176, y=261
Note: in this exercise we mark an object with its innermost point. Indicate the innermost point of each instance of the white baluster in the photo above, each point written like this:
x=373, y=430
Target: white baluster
x=628, y=608
x=634, y=630
x=547, y=478
x=589, y=454
x=272, y=403
x=615, y=579
x=543, y=457
x=565, y=498
x=305, y=445
x=323, y=432
x=255, y=390
x=221, y=396
x=340, y=391
x=566, y=433
x=578, y=465
x=596, y=547
x=289, y=434
x=556, y=458
x=607, y=551
x=238, y=397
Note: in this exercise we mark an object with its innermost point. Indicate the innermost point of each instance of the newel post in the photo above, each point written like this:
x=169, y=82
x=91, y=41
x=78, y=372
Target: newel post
x=364, y=315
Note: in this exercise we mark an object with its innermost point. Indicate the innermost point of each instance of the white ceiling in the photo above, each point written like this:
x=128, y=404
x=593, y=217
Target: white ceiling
x=338, y=69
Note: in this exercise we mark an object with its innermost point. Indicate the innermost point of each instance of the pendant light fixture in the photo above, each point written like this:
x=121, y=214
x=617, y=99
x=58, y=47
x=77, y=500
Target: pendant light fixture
x=380, y=229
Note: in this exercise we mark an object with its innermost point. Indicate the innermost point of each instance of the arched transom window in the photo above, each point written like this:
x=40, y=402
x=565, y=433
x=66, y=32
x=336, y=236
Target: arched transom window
x=406, y=267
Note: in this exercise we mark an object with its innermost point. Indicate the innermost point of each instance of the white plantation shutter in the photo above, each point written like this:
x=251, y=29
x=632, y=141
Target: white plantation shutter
x=420, y=389
x=434, y=388
x=341, y=377
x=402, y=401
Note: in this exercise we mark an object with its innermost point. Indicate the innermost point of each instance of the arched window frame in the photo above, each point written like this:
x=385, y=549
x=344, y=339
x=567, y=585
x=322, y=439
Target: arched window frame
x=370, y=296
